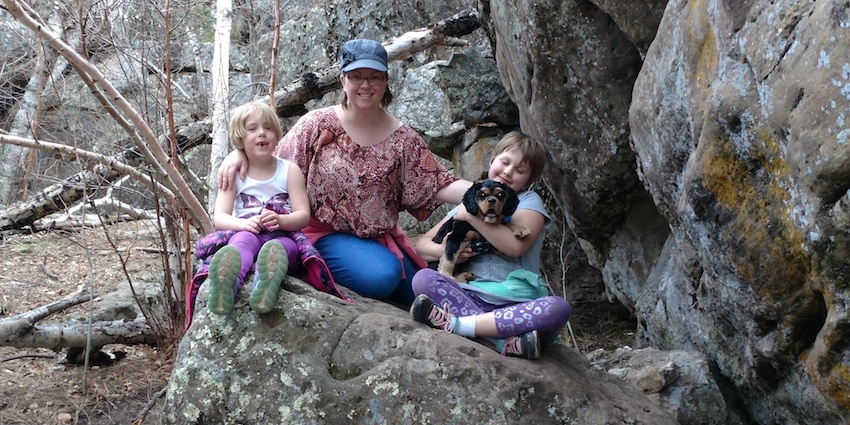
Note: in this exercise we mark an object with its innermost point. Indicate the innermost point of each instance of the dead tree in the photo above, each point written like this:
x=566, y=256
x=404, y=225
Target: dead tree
x=23, y=331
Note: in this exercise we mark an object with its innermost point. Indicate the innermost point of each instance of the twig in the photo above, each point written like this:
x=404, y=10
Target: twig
x=151, y=403
x=572, y=335
x=39, y=313
x=101, y=160
x=24, y=356
x=90, y=316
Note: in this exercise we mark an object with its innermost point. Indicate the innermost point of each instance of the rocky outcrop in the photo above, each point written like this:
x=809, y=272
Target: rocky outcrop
x=711, y=188
x=582, y=67
x=727, y=233
x=684, y=382
x=738, y=124
x=317, y=359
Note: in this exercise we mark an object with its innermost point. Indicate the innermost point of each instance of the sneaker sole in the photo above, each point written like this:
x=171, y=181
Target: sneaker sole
x=535, y=349
x=272, y=264
x=416, y=310
x=224, y=270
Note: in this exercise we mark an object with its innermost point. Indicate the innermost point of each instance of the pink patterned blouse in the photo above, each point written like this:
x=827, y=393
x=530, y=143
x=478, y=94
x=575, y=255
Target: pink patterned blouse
x=361, y=189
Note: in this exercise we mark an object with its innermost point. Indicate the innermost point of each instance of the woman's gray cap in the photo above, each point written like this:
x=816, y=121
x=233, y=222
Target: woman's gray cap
x=363, y=53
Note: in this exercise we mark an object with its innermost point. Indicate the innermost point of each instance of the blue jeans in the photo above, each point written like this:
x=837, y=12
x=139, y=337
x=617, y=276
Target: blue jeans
x=367, y=267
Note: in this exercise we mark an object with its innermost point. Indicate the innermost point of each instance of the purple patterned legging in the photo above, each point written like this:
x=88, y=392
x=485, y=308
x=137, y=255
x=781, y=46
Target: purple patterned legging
x=547, y=314
x=249, y=246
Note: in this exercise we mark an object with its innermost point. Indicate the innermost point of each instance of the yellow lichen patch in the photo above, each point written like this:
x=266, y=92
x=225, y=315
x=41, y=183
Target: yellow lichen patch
x=825, y=363
x=754, y=199
x=705, y=57
x=838, y=386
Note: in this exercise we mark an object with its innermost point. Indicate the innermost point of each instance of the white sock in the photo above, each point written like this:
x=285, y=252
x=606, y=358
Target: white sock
x=465, y=326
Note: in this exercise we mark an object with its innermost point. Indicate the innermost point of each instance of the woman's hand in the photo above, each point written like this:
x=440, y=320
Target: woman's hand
x=234, y=162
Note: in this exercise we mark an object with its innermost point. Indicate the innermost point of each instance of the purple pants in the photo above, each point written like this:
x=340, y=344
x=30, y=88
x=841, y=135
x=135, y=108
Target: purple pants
x=249, y=246
x=547, y=315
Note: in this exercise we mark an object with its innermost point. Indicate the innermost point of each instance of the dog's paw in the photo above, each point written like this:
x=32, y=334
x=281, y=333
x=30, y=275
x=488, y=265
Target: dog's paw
x=520, y=231
x=479, y=246
x=464, y=277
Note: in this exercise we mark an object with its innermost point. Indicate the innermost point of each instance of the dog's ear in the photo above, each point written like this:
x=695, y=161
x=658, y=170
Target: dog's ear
x=511, y=201
x=469, y=198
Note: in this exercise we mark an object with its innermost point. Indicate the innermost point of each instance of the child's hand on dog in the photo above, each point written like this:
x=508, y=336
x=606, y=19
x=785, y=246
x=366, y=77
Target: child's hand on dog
x=464, y=254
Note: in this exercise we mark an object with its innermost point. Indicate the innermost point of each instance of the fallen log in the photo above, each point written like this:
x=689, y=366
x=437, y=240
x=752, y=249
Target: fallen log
x=23, y=331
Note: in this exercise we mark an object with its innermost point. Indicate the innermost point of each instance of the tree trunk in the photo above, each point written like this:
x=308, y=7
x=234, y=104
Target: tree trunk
x=75, y=334
x=221, y=92
x=26, y=118
x=21, y=331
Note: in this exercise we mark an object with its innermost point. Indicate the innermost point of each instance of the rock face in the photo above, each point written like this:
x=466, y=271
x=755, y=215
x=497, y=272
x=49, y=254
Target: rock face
x=683, y=381
x=708, y=182
x=738, y=124
x=317, y=359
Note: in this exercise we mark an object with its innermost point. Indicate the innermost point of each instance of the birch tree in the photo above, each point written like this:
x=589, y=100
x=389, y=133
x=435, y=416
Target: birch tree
x=221, y=93
x=25, y=122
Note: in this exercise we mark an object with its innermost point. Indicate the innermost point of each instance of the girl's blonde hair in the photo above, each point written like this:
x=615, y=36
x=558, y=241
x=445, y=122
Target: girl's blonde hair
x=236, y=130
x=532, y=151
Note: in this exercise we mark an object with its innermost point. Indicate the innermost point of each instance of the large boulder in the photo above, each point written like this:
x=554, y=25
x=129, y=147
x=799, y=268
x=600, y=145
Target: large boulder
x=738, y=121
x=317, y=359
x=710, y=188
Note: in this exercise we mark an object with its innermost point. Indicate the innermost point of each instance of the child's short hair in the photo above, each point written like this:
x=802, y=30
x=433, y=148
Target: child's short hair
x=532, y=151
x=236, y=130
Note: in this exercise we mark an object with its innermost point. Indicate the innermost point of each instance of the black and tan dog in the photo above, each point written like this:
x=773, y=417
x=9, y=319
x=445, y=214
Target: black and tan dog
x=493, y=202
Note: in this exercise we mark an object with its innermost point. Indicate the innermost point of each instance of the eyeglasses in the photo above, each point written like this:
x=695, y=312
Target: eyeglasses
x=373, y=80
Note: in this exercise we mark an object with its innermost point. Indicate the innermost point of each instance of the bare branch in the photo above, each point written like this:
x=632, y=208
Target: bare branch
x=111, y=162
x=84, y=67
x=75, y=335
x=33, y=316
x=290, y=100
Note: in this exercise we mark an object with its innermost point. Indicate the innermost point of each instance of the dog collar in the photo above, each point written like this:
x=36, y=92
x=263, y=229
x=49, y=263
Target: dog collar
x=506, y=219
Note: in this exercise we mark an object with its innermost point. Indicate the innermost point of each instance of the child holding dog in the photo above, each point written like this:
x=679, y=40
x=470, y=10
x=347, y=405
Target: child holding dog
x=506, y=301
x=262, y=208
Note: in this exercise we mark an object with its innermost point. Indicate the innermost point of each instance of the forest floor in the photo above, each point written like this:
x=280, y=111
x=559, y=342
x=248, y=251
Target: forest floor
x=39, y=386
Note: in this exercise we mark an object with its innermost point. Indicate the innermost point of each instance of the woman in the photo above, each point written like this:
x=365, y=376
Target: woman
x=362, y=167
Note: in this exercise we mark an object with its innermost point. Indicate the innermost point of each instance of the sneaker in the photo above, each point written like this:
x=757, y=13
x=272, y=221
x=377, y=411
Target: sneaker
x=424, y=310
x=272, y=264
x=224, y=273
x=526, y=345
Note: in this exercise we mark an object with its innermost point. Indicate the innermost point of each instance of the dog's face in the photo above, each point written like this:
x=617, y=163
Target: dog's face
x=490, y=200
